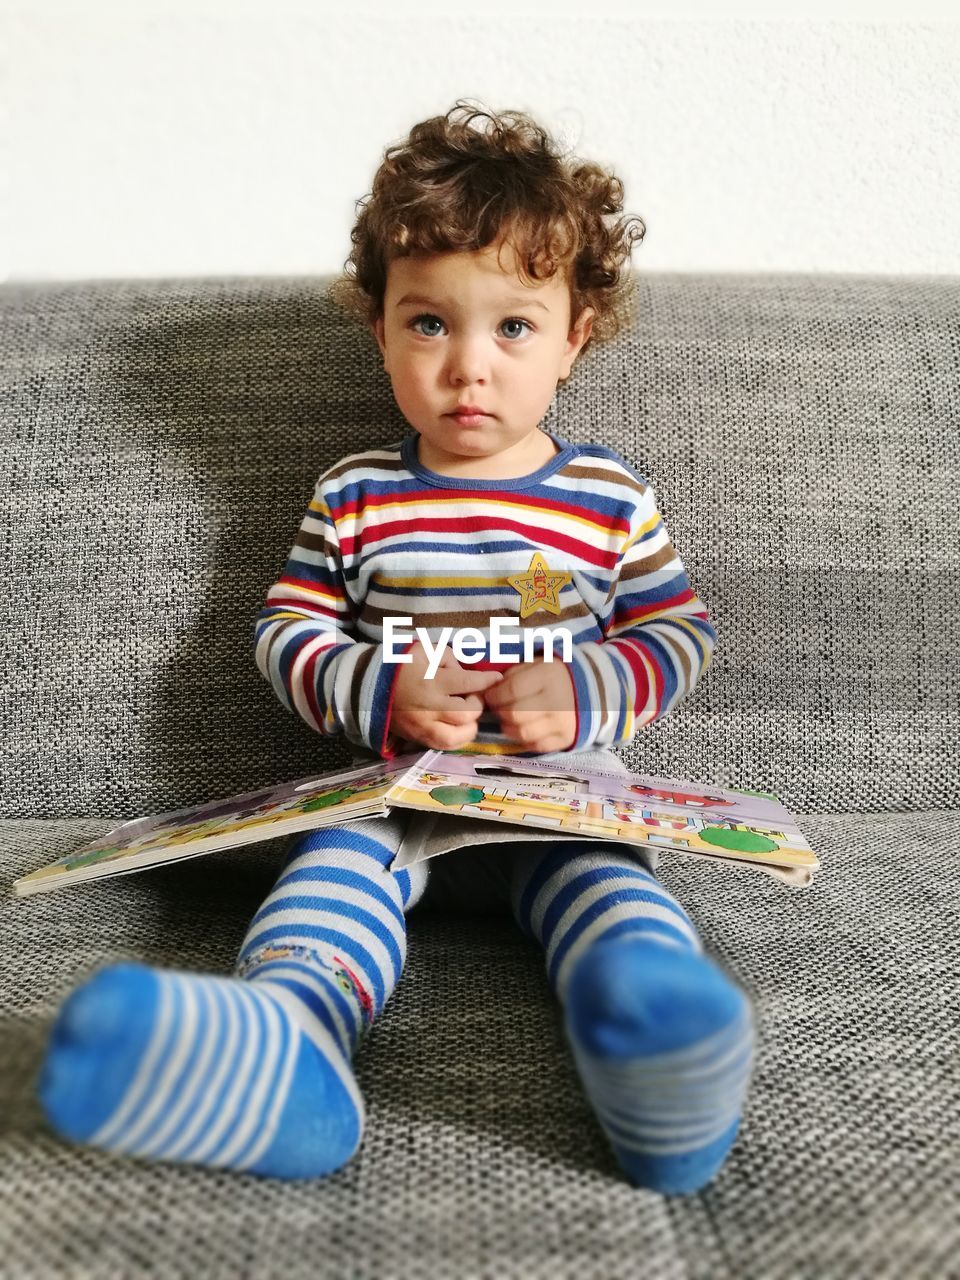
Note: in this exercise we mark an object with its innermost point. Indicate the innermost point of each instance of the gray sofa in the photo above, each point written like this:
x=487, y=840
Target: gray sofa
x=161, y=440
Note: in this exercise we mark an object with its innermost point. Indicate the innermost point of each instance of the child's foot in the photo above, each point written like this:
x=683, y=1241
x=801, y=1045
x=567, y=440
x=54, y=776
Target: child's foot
x=208, y=1070
x=663, y=1041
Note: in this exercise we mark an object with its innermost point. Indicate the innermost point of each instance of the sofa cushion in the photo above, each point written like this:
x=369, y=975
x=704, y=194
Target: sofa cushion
x=481, y=1156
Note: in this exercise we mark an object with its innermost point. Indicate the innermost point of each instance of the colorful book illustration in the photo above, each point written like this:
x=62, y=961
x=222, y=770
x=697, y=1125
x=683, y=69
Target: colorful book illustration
x=302, y=805
x=751, y=828
x=453, y=791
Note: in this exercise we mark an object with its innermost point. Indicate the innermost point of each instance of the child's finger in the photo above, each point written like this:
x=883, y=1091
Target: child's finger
x=472, y=705
x=460, y=710
x=510, y=693
x=526, y=682
x=462, y=682
x=450, y=737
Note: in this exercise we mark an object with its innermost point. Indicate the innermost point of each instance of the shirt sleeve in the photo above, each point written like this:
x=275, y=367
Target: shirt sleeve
x=307, y=646
x=657, y=642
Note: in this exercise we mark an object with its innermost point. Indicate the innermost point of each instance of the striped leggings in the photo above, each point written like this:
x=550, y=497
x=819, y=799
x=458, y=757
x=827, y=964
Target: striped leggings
x=338, y=907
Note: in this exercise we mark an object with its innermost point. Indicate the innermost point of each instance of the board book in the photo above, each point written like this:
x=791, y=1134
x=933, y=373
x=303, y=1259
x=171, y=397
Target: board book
x=453, y=794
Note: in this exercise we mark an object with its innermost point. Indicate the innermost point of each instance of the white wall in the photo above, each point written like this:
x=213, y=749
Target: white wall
x=232, y=137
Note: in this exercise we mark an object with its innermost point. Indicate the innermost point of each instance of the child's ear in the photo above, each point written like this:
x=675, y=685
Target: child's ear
x=585, y=324
x=377, y=328
x=576, y=339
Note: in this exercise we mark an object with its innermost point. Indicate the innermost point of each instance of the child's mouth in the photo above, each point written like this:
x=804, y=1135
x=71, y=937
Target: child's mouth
x=469, y=419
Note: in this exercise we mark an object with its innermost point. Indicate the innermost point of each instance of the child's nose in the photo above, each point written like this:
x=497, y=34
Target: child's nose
x=468, y=361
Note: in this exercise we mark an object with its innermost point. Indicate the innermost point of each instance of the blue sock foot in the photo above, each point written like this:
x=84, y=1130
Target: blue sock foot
x=663, y=1042
x=206, y=1070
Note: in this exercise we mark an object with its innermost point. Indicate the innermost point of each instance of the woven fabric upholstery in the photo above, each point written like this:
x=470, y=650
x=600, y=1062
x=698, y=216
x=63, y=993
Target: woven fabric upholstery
x=160, y=441
x=481, y=1156
x=163, y=439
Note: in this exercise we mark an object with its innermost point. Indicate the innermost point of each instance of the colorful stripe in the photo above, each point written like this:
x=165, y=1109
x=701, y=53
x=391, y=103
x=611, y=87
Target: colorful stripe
x=378, y=542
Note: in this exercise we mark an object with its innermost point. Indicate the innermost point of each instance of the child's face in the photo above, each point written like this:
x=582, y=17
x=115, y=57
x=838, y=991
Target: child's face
x=462, y=343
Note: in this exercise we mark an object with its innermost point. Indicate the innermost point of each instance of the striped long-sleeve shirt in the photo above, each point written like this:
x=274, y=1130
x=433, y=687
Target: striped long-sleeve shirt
x=578, y=544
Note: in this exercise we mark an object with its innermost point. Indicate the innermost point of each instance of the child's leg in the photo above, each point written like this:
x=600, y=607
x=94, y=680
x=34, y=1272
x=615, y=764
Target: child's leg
x=662, y=1039
x=252, y=1071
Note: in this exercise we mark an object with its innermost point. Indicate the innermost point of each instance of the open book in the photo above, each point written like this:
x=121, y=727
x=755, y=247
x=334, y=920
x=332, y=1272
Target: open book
x=454, y=793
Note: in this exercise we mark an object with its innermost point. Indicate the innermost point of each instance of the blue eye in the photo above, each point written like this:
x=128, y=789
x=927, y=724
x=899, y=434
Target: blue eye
x=517, y=320
x=416, y=320
x=436, y=319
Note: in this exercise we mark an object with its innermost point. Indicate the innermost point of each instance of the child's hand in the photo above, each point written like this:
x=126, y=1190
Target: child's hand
x=536, y=706
x=442, y=712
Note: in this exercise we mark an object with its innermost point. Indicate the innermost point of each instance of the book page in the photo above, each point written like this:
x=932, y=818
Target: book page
x=751, y=828
x=430, y=835
x=289, y=807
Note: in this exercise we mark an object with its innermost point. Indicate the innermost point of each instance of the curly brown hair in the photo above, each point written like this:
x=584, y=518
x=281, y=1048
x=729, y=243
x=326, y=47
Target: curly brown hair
x=451, y=187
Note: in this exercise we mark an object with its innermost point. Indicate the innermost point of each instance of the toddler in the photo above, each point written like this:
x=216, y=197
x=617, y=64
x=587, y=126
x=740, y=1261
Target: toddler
x=484, y=262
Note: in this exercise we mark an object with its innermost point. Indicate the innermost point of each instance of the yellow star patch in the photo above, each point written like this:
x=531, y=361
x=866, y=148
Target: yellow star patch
x=538, y=587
